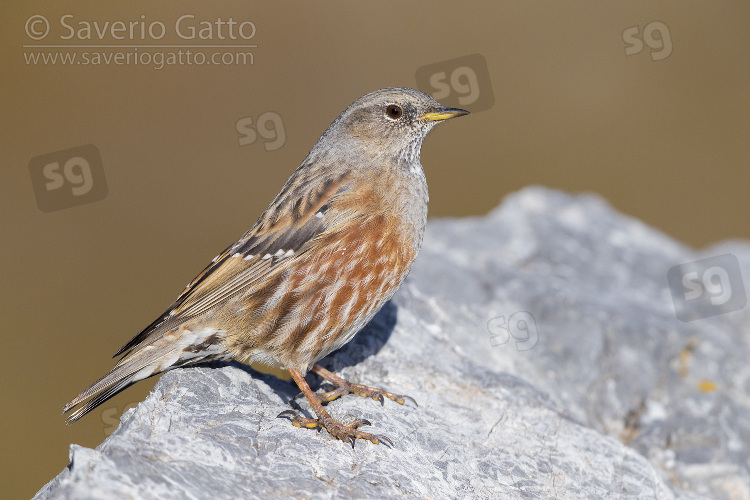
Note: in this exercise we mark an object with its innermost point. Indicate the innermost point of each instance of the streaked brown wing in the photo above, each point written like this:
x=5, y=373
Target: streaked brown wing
x=285, y=230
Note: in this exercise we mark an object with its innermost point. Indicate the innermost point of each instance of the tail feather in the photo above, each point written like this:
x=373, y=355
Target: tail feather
x=151, y=358
x=127, y=370
x=100, y=398
x=121, y=377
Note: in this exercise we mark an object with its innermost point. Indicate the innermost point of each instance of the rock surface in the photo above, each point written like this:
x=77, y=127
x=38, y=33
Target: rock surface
x=542, y=345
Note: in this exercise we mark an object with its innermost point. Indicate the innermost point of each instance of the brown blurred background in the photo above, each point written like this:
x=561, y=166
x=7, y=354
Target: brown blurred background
x=645, y=103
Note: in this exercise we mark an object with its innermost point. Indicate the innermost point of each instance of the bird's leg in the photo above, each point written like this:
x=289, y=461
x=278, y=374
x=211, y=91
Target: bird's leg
x=347, y=433
x=344, y=387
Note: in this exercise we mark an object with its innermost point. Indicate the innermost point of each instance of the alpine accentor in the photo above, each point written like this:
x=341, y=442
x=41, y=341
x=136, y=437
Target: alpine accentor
x=328, y=252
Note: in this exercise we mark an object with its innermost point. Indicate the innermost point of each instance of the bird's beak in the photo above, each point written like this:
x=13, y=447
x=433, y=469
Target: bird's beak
x=441, y=113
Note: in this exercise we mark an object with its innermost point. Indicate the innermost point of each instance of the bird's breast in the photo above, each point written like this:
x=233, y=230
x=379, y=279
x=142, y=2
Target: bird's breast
x=326, y=294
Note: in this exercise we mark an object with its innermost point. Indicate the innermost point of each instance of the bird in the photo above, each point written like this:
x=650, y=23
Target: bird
x=330, y=250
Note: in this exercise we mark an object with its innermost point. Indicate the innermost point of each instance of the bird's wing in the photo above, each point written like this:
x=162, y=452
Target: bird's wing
x=290, y=226
x=287, y=229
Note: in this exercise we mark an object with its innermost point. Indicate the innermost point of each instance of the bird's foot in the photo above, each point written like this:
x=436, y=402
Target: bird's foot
x=361, y=390
x=348, y=433
x=344, y=387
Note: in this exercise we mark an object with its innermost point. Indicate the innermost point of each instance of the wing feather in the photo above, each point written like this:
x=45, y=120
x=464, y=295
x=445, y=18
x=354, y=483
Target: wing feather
x=287, y=229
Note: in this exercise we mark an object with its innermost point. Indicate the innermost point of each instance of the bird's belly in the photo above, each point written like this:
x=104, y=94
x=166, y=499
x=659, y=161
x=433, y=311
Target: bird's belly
x=324, y=297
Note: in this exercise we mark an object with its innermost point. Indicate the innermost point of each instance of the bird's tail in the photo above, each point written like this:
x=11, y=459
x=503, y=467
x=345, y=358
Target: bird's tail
x=154, y=355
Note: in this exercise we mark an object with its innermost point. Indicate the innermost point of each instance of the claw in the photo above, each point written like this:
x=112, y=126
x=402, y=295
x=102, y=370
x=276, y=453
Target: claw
x=287, y=413
x=300, y=421
x=403, y=399
x=359, y=423
x=386, y=441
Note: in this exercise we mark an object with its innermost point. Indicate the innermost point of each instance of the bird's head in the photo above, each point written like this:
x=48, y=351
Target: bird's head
x=388, y=123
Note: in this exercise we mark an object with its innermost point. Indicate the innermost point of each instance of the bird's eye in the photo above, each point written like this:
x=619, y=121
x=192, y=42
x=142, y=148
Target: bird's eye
x=394, y=112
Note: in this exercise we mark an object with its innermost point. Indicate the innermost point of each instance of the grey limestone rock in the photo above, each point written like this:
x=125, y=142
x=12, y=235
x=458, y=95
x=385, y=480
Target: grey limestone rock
x=542, y=345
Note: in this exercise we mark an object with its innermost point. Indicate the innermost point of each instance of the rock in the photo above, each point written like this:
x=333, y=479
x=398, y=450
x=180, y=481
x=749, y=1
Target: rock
x=543, y=347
